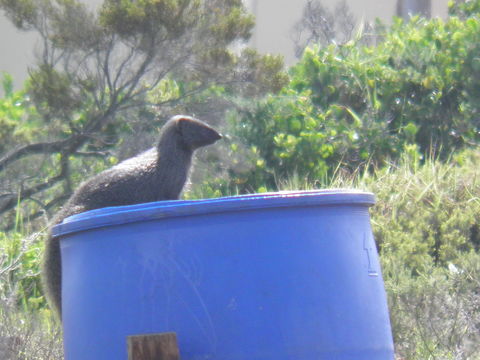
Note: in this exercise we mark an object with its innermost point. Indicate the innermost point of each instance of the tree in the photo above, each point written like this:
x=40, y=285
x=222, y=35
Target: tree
x=96, y=70
x=320, y=26
x=407, y=8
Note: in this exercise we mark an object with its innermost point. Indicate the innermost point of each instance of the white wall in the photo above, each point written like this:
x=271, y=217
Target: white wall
x=16, y=51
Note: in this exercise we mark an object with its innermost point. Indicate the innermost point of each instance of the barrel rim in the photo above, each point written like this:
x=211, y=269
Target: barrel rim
x=118, y=215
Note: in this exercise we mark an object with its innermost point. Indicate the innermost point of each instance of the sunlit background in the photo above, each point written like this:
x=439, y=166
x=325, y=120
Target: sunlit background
x=273, y=33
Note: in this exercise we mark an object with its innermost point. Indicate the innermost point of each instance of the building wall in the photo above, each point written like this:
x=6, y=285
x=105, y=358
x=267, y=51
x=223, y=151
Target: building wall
x=16, y=51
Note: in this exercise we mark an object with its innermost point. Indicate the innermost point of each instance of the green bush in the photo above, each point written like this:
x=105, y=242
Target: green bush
x=19, y=270
x=429, y=214
x=19, y=120
x=28, y=329
x=426, y=214
x=435, y=315
x=464, y=9
x=353, y=105
x=426, y=224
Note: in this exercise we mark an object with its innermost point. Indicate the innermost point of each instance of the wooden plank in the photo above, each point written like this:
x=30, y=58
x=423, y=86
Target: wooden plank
x=153, y=347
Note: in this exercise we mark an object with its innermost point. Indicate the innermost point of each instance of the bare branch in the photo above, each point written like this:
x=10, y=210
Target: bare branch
x=121, y=68
x=12, y=201
x=30, y=149
x=130, y=85
x=106, y=62
x=94, y=154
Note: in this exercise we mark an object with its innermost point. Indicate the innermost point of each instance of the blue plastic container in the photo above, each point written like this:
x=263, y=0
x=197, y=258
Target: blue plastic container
x=261, y=277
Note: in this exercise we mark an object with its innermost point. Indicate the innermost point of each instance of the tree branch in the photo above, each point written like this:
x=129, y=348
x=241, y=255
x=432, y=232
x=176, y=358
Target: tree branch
x=12, y=200
x=122, y=66
x=30, y=149
x=95, y=154
x=44, y=211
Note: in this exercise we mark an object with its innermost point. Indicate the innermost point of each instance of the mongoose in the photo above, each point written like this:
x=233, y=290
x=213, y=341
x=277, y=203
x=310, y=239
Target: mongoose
x=157, y=174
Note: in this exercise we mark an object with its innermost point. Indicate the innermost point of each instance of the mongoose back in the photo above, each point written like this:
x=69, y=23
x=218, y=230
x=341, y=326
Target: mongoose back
x=157, y=174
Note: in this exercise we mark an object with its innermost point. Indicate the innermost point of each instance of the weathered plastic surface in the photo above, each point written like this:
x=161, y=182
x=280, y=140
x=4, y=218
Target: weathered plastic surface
x=279, y=276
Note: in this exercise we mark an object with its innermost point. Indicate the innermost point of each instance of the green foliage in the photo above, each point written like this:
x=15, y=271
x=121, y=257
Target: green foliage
x=464, y=8
x=428, y=215
x=18, y=118
x=220, y=22
x=432, y=83
x=426, y=225
x=20, y=270
x=263, y=74
x=130, y=18
x=174, y=17
x=22, y=12
x=435, y=314
x=356, y=105
x=52, y=92
x=290, y=134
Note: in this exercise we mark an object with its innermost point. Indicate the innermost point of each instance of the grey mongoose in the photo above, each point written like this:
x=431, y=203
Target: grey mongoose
x=156, y=174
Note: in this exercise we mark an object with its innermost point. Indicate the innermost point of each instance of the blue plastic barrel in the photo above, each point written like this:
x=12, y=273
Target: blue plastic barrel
x=277, y=276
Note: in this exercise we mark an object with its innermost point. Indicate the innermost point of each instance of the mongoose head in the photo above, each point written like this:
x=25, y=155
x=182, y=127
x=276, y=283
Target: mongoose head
x=192, y=133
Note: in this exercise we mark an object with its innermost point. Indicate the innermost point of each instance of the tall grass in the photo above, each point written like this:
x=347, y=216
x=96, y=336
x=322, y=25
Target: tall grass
x=426, y=224
x=28, y=330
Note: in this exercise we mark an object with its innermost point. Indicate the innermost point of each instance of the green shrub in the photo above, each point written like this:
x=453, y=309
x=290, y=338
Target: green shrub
x=464, y=9
x=426, y=214
x=19, y=120
x=435, y=315
x=28, y=329
x=19, y=270
x=353, y=105
x=426, y=223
